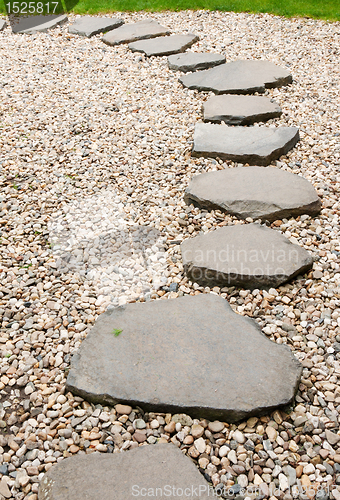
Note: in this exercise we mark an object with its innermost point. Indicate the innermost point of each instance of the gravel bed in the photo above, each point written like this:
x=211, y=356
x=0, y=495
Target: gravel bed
x=95, y=158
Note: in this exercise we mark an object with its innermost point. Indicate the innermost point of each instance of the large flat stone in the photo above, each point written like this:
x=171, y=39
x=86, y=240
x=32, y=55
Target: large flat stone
x=135, y=31
x=164, y=46
x=253, y=145
x=194, y=61
x=121, y=476
x=238, y=77
x=189, y=355
x=240, y=109
x=89, y=26
x=3, y=24
x=36, y=24
x=248, y=256
x=257, y=192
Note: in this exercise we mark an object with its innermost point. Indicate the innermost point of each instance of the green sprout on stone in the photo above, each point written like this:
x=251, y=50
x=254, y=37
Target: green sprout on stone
x=116, y=332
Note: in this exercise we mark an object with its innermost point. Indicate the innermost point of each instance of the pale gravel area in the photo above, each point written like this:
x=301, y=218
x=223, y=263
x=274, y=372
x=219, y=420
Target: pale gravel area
x=84, y=125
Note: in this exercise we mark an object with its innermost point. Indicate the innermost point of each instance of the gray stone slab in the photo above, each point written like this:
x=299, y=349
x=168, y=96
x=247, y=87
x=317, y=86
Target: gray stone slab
x=164, y=46
x=121, y=476
x=194, y=61
x=89, y=26
x=135, y=31
x=166, y=359
x=238, y=77
x=252, y=145
x=257, y=192
x=240, y=109
x=2, y=24
x=37, y=24
x=248, y=256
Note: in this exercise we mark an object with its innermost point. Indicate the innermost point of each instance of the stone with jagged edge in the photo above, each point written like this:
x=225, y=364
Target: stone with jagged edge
x=190, y=355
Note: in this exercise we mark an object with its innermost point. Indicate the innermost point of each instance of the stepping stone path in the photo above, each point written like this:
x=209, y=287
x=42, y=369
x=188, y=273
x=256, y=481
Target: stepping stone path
x=163, y=46
x=89, y=26
x=121, y=476
x=135, y=31
x=257, y=192
x=162, y=355
x=165, y=359
x=253, y=145
x=249, y=256
x=238, y=77
x=194, y=61
x=2, y=24
x=240, y=109
x=37, y=24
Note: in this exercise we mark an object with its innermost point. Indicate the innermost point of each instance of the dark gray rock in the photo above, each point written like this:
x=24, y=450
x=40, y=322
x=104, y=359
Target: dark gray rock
x=238, y=77
x=135, y=31
x=240, y=109
x=252, y=145
x=248, y=256
x=194, y=61
x=164, y=46
x=89, y=26
x=3, y=24
x=125, y=475
x=257, y=192
x=190, y=355
x=38, y=24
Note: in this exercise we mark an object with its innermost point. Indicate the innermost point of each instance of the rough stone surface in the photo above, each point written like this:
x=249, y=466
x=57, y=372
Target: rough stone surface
x=124, y=475
x=257, y=192
x=249, y=256
x=238, y=77
x=3, y=24
x=240, y=110
x=38, y=24
x=89, y=26
x=194, y=61
x=166, y=347
x=163, y=46
x=252, y=145
x=135, y=31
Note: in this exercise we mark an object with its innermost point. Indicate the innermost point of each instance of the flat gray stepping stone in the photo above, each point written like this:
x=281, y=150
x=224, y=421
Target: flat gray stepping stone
x=2, y=24
x=238, y=77
x=135, y=31
x=248, y=256
x=89, y=26
x=257, y=192
x=240, y=109
x=37, y=24
x=163, y=46
x=194, y=61
x=252, y=145
x=122, y=476
x=166, y=359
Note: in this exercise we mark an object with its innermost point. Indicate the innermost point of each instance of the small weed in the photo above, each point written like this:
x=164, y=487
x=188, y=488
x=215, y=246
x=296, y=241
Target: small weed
x=15, y=186
x=116, y=332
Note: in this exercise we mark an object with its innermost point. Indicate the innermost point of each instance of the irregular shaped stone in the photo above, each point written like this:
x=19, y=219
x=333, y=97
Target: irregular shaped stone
x=109, y=477
x=2, y=24
x=240, y=109
x=238, y=77
x=89, y=26
x=38, y=24
x=248, y=256
x=257, y=192
x=252, y=145
x=163, y=46
x=194, y=61
x=166, y=360
x=135, y=31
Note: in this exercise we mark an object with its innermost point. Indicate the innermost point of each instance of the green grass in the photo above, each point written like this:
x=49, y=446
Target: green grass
x=319, y=9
